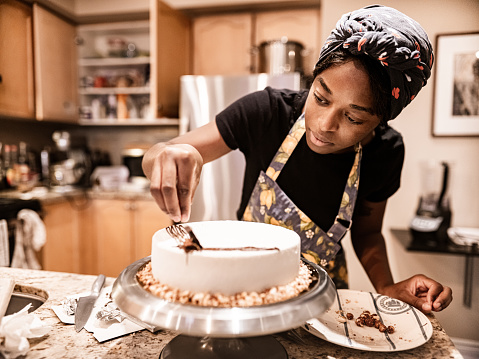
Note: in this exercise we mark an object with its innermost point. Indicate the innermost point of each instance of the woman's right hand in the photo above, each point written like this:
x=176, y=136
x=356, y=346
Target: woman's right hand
x=174, y=171
x=174, y=168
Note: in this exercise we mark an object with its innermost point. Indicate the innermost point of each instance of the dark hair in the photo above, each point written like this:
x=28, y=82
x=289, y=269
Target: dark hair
x=378, y=78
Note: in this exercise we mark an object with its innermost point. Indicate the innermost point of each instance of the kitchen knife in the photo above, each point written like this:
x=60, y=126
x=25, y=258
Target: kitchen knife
x=85, y=304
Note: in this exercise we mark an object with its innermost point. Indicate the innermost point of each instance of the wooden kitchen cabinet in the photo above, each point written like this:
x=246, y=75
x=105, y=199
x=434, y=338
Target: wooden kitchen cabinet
x=227, y=44
x=301, y=25
x=170, y=50
x=16, y=60
x=69, y=247
x=93, y=236
x=222, y=44
x=55, y=67
x=123, y=231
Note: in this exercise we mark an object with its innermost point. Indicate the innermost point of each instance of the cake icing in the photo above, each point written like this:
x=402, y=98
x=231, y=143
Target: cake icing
x=236, y=257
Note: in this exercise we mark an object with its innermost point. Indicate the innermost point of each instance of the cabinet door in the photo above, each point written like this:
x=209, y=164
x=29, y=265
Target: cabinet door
x=113, y=235
x=55, y=67
x=222, y=44
x=298, y=25
x=61, y=251
x=16, y=60
x=148, y=218
x=170, y=57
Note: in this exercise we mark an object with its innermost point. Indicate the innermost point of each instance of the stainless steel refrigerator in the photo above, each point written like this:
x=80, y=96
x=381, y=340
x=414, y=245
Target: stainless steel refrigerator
x=201, y=98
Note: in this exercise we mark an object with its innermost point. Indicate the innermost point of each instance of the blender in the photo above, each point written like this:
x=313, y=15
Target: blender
x=433, y=215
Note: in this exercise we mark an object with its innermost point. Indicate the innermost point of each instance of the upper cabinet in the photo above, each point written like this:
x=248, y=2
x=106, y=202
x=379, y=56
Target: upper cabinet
x=55, y=67
x=16, y=60
x=38, y=73
x=222, y=44
x=297, y=25
x=170, y=46
x=226, y=44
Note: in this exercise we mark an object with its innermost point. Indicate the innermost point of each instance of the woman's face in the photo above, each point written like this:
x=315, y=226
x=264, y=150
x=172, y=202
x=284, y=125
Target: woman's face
x=339, y=109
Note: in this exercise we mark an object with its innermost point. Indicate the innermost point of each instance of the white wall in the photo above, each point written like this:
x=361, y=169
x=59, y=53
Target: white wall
x=437, y=17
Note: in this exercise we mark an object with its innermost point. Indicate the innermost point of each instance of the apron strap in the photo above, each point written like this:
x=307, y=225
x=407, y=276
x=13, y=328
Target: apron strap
x=287, y=147
x=343, y=220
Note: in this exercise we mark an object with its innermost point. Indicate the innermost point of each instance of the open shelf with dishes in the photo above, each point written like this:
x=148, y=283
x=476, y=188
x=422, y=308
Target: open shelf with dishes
x=114, y=74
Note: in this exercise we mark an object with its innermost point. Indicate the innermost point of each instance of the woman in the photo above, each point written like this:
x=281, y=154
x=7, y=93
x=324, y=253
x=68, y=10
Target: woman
x=324, y=161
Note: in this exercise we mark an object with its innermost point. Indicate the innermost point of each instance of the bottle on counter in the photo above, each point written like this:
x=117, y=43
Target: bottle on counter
x=7, y=167
x=2, y=170
x=45, y=165
x=22, y=168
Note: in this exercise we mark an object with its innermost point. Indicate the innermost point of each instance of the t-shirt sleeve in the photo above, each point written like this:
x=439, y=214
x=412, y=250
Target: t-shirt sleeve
x=389, y=173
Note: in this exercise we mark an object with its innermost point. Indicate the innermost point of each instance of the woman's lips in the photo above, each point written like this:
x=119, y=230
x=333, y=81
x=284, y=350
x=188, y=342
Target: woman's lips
x=319, y=140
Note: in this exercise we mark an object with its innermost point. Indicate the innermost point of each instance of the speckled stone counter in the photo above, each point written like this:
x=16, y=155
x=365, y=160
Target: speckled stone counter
x=51, y=196
x=64, y=342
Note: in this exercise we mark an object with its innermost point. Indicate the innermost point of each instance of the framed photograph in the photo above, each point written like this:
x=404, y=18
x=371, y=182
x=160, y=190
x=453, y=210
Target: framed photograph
x=456, y=86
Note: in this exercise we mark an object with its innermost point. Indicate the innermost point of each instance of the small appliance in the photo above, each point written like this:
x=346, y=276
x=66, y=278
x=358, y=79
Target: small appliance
x=68, y=167
x=433, y=216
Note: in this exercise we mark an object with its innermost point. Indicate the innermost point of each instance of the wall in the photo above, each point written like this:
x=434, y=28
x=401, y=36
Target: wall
x=114, y=139
x=437, y=17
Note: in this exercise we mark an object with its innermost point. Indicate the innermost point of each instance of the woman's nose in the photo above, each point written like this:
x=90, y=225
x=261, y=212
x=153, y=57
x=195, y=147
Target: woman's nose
x=328, y=121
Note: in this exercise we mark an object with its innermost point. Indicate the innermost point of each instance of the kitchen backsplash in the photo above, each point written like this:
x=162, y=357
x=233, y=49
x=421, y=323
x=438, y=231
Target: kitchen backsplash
x=107, y=142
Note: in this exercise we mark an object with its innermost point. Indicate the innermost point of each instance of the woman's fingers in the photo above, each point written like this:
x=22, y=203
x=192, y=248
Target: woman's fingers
x=443, y=299
x=174, y=178
x=188, y=171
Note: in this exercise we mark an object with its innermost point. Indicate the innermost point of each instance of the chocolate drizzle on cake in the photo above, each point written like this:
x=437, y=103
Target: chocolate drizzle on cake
x=187, y=240
x=242, y=249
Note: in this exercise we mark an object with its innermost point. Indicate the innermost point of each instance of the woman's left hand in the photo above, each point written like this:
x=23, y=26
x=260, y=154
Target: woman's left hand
x=421, y=292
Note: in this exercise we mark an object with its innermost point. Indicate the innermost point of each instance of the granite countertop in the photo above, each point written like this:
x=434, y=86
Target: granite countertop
x=46, y=196
x=64, y=342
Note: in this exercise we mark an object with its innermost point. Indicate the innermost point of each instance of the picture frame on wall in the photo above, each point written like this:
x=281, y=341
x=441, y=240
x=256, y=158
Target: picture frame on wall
x=456, y=86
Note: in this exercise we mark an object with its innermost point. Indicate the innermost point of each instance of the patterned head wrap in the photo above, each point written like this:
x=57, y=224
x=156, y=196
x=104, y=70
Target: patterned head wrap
x=398, y=42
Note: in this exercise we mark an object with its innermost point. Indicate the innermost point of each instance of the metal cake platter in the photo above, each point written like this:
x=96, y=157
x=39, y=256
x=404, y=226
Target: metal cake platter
x=236, y=322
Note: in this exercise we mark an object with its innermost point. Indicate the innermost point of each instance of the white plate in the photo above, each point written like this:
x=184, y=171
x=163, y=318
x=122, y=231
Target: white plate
x=464, y=236
x=412, y=328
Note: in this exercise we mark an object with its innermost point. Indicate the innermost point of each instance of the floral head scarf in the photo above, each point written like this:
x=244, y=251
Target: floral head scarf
x=398, y=42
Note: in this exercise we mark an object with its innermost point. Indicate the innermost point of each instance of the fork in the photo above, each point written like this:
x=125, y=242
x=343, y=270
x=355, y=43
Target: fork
x=184, y=236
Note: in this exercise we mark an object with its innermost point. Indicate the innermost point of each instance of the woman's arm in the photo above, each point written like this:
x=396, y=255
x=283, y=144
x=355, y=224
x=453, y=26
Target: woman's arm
x=420, y=291
x=174, y=168
x=369, y=244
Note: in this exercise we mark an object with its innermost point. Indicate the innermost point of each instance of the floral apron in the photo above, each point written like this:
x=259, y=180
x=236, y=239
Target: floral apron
x=269, y=204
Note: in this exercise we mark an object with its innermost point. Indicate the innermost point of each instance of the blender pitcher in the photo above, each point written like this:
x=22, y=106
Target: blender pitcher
x=433, y=215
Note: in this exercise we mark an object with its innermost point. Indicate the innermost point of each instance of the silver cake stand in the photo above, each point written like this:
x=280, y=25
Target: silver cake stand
x=209, y=332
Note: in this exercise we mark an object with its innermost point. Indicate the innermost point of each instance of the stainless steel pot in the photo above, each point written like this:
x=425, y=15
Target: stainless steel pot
x=280, y=56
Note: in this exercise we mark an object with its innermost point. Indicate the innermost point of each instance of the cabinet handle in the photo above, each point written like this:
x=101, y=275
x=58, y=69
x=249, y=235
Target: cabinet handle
x=1, y=79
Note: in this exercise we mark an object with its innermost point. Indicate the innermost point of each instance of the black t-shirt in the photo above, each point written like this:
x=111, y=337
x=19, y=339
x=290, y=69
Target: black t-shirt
x=258, y=123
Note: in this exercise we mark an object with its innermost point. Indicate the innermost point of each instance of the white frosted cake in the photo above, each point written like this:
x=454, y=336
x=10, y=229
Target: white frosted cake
x=236, y=257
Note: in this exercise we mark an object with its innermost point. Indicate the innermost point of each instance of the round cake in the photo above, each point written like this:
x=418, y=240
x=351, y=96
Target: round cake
x=233, y=257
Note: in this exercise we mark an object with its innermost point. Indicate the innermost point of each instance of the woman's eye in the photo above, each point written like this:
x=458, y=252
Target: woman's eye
x=353, y=121
x=320, y=100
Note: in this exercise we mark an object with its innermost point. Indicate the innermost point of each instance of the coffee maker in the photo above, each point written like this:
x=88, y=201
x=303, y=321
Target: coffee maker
x=69, y=167
x=433, y=215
